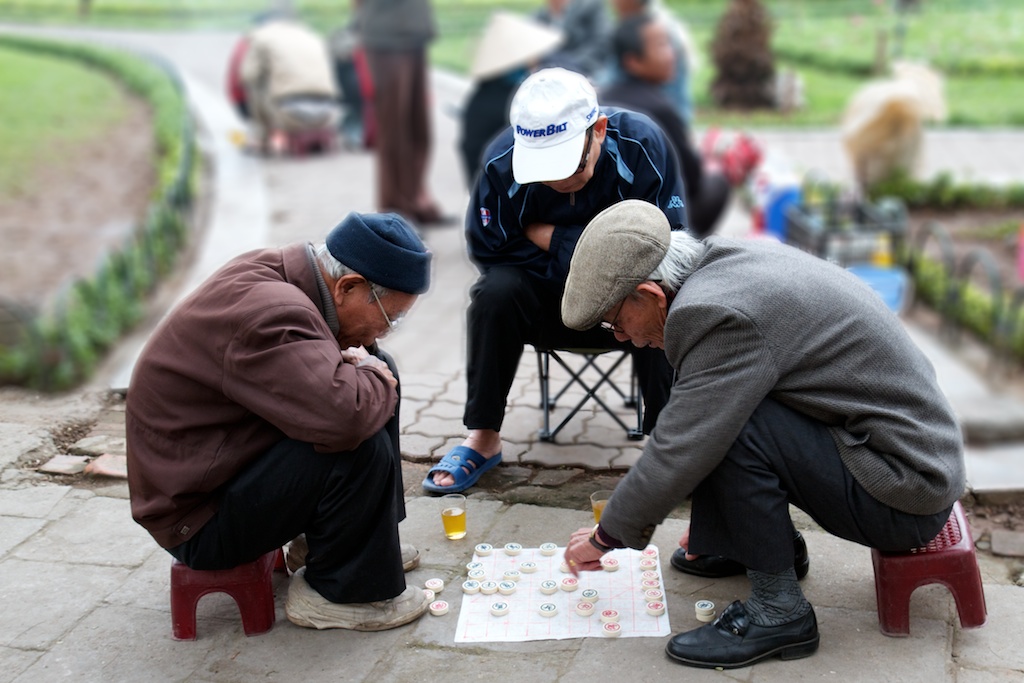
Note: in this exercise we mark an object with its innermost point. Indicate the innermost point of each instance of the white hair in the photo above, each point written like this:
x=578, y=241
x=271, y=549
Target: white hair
x=679, y=262
x=336, y=269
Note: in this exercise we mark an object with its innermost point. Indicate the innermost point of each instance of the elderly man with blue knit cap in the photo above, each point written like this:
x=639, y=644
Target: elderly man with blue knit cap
x=261, y=413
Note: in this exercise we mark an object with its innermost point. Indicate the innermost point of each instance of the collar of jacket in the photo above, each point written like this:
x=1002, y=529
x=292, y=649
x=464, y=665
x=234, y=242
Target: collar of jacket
x=326, y=300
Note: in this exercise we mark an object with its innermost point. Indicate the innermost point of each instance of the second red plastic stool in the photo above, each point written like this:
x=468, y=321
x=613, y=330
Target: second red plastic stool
x=949, y=559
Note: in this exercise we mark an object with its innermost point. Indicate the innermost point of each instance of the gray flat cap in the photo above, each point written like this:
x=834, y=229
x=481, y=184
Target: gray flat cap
x=618, y=250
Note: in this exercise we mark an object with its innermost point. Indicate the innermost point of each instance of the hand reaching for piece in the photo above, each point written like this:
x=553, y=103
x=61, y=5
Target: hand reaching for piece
x=581, y=554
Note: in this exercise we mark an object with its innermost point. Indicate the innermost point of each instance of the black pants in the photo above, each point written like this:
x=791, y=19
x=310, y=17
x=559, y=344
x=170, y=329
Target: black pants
x=348, y=505
x=510, y=308
x=741, y=510
x=708, y=203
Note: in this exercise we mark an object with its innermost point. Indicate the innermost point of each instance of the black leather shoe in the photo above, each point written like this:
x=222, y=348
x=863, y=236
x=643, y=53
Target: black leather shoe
x=731, y=641
x=717, y=567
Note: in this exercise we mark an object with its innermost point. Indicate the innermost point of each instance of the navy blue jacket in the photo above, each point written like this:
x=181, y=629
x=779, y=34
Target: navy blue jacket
x=635, y=163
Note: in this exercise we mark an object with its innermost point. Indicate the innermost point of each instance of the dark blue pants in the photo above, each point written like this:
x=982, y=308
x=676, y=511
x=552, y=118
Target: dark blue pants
x=509, y=308
x=348, y=505
x=782, y=457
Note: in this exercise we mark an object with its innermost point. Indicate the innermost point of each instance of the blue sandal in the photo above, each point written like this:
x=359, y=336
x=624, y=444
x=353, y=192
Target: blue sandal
x=453, y=463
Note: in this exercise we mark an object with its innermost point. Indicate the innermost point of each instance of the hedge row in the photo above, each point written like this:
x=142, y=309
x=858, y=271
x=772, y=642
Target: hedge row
x=970, y=307
x=61, y=346
x=944, y=193
x=863, y=67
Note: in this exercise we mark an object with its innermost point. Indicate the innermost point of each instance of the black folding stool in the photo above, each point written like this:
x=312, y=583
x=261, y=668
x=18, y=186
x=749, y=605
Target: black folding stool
x=590, y=357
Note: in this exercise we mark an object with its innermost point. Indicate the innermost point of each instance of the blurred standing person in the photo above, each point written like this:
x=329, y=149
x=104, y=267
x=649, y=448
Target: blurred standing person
x=395, y=34
x=678, y=88
x=509, y=49
x=645, y=60
x=587, y=28
x=289, y=84
x=345, y=52
x=235, y=87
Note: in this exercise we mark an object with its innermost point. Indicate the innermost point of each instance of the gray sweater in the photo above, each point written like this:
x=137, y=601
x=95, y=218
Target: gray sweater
x=758, y=319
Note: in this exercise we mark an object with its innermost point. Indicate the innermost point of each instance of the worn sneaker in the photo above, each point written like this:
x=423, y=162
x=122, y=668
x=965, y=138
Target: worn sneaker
x=410, y=557
x=305, y=607
x=296, y=551
x=295, y=554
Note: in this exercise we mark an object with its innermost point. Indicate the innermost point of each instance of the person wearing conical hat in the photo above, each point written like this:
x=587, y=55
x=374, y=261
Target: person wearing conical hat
x=508, y=50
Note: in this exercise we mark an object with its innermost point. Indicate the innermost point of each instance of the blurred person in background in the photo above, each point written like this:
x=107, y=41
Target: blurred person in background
x=348, y=59
x=288, y=80
x=684, y=51
x=587, y=29
x=395, y=34
x=646, y=62
x=509, y=49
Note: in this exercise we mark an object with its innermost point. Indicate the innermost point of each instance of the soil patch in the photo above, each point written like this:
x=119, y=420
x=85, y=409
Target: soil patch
x=77, y=209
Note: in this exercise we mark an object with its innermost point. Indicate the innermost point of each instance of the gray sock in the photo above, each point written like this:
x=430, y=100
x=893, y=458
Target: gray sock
x=775, y=599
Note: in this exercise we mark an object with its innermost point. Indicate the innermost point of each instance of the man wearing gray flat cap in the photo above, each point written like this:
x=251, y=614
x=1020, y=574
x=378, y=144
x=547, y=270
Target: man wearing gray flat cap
x=261, y=411
x=795, y=385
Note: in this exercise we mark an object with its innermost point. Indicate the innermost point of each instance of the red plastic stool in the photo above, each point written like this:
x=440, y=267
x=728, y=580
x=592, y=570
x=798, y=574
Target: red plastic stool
x=248, y=584
x=948, y=559
x=303, y=142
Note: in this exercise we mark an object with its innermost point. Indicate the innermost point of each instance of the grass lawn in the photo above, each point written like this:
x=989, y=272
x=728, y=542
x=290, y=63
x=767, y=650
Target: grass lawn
x=978, y=44
x=46, y=105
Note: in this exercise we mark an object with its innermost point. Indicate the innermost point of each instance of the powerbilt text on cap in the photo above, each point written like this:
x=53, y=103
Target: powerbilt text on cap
x=550, y=115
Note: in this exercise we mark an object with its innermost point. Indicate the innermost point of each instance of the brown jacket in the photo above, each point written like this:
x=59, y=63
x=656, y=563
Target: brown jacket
x=245, y=361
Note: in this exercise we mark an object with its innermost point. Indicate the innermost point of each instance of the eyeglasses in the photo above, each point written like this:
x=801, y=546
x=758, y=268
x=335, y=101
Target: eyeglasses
x=613, y=326
x=586, y=151
x=392, y=324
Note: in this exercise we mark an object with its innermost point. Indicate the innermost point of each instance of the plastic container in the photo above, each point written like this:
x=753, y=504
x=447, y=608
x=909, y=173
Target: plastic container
x=775, y=210
x=892, y=284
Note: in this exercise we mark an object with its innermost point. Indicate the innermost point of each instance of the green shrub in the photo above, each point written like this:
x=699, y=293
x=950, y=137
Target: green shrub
x=68, y=341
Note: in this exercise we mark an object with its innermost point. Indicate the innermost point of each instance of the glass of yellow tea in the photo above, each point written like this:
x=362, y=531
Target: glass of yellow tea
x=453, y=515
x=598, y=499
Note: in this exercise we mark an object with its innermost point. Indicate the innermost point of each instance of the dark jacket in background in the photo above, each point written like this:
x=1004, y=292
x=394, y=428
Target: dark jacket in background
x=396, y=24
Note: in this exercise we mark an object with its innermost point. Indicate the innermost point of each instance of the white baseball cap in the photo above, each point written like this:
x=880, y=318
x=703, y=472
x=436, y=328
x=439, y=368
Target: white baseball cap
x=550, y=115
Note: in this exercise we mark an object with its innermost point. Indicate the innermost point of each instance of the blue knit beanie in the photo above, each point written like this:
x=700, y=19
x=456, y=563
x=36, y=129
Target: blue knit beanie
x=384, y=249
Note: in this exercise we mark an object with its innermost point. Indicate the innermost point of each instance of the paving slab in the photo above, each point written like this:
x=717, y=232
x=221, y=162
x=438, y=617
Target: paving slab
x=15, y=662
x=42, y=600
x=99, y=532
x=16, y=442
x=997, y=645
x=31, y=501
x=15, y=530
x=1008, y=543
x=65, y=464
x=149, y=586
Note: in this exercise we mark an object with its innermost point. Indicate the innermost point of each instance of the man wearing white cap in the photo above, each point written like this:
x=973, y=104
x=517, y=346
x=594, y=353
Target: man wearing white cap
x=563, y=161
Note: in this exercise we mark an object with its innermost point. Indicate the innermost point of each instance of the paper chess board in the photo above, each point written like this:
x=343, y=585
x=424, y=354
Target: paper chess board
x=622, y=590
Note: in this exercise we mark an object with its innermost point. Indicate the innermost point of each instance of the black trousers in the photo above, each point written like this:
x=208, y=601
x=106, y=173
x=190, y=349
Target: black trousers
x=708, y=203
x=509, y=308
x=348, y=505
x=741, y=510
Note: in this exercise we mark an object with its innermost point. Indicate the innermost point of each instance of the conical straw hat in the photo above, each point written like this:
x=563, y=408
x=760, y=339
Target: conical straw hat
x=510, y=41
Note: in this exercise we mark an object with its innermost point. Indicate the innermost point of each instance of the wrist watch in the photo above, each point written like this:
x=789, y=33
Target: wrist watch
x=597, y=543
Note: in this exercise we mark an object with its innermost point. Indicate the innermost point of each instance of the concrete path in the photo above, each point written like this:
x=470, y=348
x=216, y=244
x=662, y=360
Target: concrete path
x=85, y=591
